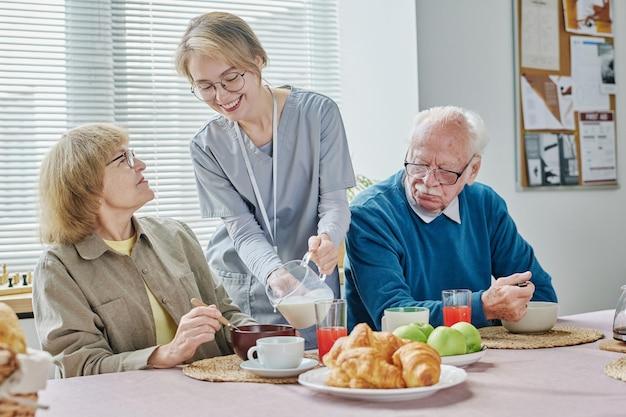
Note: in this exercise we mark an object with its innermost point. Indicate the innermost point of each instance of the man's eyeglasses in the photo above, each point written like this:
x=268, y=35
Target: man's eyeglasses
x=443, y=176
x=129, y=155
x=231, y=82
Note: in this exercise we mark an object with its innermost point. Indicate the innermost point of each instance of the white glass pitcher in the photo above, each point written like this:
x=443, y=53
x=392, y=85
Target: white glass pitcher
x=300, y=287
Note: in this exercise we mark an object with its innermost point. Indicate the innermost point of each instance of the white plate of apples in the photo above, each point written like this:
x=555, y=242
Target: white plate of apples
x=458, y=345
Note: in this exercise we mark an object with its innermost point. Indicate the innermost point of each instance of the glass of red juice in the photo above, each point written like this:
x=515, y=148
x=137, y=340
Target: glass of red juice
x=331, y=319
x=457, y=306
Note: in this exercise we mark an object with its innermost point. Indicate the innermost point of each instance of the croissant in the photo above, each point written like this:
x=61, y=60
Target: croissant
x=368, y=359
x=11, y=341
x=420, y=364
x=11, y=334
x=386, y=343
x=338, y=378
x=364, y=367
x=362, y=336
x=8, y=363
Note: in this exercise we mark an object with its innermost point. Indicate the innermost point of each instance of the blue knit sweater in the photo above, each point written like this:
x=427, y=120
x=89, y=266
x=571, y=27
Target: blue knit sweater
x=395, y=259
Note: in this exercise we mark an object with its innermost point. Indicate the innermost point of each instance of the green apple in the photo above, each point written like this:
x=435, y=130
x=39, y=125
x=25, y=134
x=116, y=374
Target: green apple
x=472, y=336
x=447, y=341
x=425, y=328
x=411, y=332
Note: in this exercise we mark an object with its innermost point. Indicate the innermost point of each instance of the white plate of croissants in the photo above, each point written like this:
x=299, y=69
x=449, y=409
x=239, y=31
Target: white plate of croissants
x=379, y=366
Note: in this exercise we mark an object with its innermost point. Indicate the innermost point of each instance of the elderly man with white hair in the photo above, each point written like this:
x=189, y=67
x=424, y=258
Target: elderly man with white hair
x=431, y=227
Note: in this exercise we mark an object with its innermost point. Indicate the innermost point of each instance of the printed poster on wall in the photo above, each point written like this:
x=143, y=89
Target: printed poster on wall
x=547, y=102
x=540, y=34
x=551, y=159
x=588, y=55
x=597, y=146
x=588, y=17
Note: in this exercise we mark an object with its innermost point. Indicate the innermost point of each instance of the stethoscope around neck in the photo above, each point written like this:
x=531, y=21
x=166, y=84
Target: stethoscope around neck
x=253, y=181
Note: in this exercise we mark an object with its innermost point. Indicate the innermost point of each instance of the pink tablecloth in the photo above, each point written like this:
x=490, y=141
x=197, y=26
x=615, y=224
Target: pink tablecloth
x=565, y=381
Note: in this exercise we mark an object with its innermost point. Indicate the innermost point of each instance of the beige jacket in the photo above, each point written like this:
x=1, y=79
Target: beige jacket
x=91, y=308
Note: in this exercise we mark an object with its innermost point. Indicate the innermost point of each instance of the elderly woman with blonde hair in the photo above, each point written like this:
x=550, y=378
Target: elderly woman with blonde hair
x=112, y=291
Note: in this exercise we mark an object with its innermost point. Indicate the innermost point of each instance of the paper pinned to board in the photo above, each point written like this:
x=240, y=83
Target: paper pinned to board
x=597, y=146
x=588, y=17
x=551, y=158
x=540, y=34
x=547, y=102
x=606, y=55
x=587, y=74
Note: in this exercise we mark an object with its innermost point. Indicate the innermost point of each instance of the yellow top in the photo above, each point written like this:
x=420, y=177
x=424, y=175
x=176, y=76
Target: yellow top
x=163, y=323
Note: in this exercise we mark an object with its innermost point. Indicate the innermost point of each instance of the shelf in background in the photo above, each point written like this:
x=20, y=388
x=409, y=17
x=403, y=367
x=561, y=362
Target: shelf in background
x=22, y=304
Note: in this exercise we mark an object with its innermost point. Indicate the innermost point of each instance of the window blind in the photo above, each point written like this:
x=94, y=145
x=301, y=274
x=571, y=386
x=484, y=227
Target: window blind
x=64, y=63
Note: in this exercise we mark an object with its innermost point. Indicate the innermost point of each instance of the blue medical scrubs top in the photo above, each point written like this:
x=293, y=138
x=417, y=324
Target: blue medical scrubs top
x=313, y=158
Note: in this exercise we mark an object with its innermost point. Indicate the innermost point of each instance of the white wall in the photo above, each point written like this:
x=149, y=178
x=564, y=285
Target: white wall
x=28, y=327
x=379, y=81
x=465, y=51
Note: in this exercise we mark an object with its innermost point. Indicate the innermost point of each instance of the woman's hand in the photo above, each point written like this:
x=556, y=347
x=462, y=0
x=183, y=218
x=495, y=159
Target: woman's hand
x=324, y=253
x=195, y=328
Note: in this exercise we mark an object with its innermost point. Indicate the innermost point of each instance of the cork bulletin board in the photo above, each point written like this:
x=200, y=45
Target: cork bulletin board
x=565, y=94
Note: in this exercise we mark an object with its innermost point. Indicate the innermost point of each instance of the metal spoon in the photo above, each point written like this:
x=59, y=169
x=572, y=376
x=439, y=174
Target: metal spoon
x=196, y=302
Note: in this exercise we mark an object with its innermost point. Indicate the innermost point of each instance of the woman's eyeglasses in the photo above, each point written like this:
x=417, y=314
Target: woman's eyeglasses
x=129, y=155
x=231, y=82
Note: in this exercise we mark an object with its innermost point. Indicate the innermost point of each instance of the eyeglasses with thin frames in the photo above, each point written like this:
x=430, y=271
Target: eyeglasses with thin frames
x=231, y=82
x=129, y=155
x=443, y=176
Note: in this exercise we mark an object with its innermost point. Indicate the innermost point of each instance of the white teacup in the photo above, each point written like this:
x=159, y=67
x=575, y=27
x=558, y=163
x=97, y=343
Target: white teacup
x=395, y=317
x=278, y=352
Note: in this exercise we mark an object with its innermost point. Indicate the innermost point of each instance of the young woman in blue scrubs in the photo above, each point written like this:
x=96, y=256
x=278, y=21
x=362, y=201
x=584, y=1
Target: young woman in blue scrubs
x=273, y=164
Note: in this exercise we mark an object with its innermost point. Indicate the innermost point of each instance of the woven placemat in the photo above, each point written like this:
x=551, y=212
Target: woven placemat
x=616, y=369
x=499, y=338
x=226, y=369
x=613, y=345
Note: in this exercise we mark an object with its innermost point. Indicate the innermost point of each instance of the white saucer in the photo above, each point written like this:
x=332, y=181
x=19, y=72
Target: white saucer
x=255, y=367
x=464, y=360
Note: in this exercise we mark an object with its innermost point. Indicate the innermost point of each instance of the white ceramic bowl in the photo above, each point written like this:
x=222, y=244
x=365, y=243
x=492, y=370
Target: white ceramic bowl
x=540, y=317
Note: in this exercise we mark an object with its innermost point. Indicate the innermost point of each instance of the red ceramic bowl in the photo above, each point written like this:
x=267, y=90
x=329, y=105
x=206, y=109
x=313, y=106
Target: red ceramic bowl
x=246, y=337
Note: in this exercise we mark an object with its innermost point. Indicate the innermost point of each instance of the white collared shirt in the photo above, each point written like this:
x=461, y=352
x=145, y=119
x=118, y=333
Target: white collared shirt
x=451, y=211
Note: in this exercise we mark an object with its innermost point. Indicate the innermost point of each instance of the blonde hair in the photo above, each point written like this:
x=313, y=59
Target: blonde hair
x=70, y=181
x=221, y=36
x=466, y=120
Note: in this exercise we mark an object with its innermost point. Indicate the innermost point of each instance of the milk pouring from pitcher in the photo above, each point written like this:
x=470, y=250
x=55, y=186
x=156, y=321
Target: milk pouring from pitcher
x=301, y=288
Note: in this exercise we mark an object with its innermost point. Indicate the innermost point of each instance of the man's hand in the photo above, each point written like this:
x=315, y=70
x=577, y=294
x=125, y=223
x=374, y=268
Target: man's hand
x=324, y=253
x=505, y=300
x=195, y=328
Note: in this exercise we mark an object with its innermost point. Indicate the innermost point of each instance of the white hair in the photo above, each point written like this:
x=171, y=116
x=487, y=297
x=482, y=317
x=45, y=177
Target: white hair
x=466, y=119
